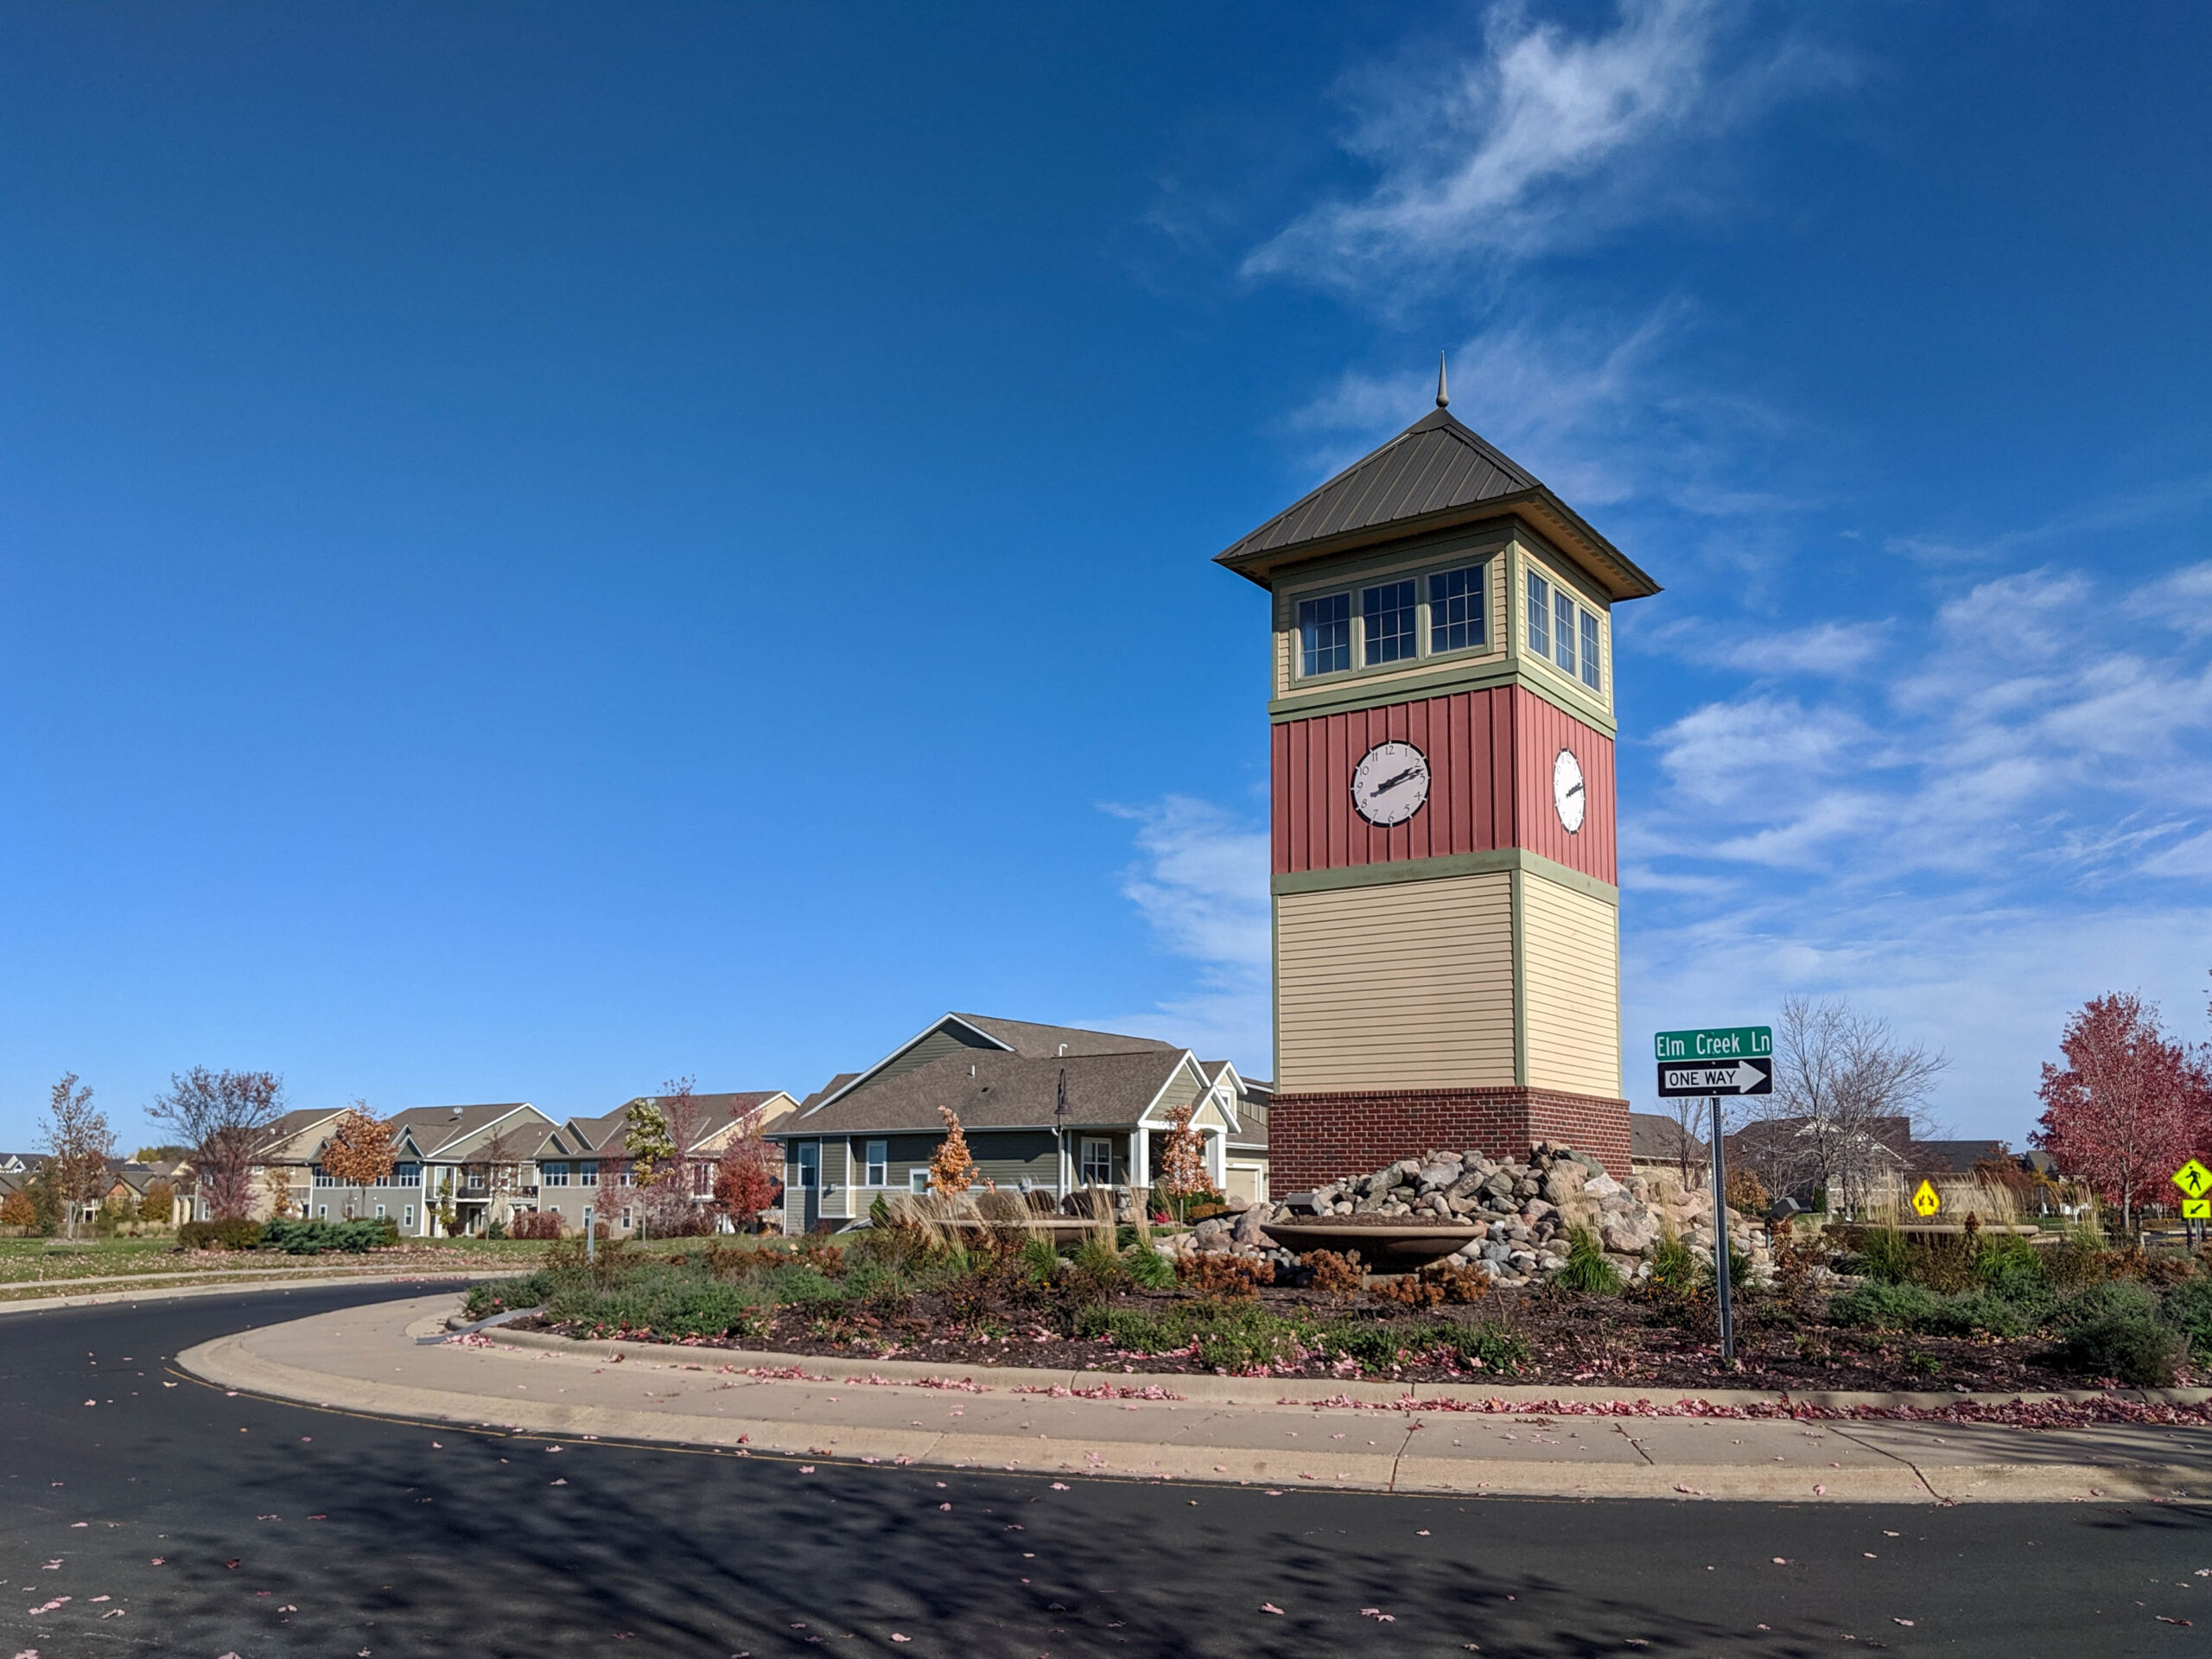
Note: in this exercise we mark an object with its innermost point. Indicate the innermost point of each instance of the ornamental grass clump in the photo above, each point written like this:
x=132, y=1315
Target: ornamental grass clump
x=1587, y=1270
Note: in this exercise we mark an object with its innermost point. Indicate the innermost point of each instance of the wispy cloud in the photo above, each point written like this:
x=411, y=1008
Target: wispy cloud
x=1201, y=882
x=1539, y=136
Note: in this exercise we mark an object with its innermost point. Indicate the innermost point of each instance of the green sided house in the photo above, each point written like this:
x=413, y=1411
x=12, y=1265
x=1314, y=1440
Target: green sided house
x=1049, y=1109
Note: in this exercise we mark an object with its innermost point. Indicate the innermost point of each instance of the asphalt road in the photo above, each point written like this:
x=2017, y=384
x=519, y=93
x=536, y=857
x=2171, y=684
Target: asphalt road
x=177, y=1518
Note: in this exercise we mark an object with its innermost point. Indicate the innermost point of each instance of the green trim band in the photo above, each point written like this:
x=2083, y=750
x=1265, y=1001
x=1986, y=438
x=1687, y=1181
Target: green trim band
x=1344, y=696
x=1517, y=860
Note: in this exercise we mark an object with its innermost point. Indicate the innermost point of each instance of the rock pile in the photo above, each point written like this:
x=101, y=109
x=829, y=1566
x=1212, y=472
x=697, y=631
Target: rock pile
x=1522, y=1213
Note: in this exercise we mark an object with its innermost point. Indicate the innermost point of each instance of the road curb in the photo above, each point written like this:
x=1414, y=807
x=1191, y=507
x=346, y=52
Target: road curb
x=1194, y=1440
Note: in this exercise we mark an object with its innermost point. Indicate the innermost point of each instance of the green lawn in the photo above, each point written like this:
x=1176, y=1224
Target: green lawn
x=45, y=1260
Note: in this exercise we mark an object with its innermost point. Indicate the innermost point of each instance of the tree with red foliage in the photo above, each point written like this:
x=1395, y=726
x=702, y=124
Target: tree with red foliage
x=745, y=1179
x=2129, y=1107
x=224, y=1117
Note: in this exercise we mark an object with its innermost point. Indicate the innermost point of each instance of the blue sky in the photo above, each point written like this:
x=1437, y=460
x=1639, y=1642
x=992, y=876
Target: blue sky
x=547, y=548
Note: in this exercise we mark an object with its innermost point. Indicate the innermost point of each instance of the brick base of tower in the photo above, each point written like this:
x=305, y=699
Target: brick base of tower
x=1316, y=1138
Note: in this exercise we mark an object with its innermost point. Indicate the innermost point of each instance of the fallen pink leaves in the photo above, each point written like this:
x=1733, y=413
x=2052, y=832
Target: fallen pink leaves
x=2018, y=1413
x=1270, y=1608
x=1378, y=1615
x=1103, y=1391
x=1893, y=1618
x=2163, y=1619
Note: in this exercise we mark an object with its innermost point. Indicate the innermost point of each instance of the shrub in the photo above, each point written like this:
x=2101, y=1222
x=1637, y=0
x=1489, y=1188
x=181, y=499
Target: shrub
x=1885, y=1306
x=1218, y=1274
x=2140, y=1353
x=1334, y=1275
x=1587, y=1268
x=1370, y=1346
x=314, y=1237
x=235, y=1234
x=667, y=1302
x=2116, y=1298
x=2188, y=1309
x=1038, y=1259
x=537, y=1224
x=497, y=1229
x=1405, y=1290
x=1238, y=1338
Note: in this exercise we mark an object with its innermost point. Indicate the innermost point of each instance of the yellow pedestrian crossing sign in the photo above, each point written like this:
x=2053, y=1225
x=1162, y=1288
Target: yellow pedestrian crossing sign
x=1925, y=1200
x=2196, y=1209
x=2194, y=1180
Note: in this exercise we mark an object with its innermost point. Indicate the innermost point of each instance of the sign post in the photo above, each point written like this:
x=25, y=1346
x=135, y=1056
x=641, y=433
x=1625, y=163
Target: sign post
x=1716, y=1062
x=2195, y=1183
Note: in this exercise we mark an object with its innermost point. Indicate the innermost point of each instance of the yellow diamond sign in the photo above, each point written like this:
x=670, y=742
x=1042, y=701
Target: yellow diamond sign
x=2196, y=1209
x=2194, y=1178
x=1925, y=1200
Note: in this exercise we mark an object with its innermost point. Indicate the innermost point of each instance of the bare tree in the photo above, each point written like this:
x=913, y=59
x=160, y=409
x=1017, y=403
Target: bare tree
x=1846, y=1089
x=502, y=1153
x=1689, y=1115
x=224, y=1117
x=670, y=1192
x=79, y=1144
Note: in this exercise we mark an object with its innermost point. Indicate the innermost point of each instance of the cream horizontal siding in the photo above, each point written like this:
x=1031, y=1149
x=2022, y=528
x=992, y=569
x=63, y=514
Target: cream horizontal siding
x=1409, y=986
x=1572, y=961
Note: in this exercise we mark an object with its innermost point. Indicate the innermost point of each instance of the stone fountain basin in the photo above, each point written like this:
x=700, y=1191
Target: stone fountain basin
x=1385, y=1244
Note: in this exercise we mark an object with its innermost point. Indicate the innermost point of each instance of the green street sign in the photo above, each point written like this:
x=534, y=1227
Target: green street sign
x=1720, y=1042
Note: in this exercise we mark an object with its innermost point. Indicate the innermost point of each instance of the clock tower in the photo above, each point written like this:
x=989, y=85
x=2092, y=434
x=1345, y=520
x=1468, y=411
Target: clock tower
x=1445, y=901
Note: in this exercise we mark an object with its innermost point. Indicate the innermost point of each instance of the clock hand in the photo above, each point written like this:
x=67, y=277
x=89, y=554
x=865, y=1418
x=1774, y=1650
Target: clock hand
x=1409, y=773
x=1576, y=789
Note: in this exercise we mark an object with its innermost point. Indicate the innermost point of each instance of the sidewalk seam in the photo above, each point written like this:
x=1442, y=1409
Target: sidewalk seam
x=1918, y=1473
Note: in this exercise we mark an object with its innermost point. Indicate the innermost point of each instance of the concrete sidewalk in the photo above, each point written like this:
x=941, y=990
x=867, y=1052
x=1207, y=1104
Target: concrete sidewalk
x=1276, y=1434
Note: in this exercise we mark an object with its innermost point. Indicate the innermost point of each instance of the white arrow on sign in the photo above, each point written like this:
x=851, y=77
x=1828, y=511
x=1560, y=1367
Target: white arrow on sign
x=1746, y=1078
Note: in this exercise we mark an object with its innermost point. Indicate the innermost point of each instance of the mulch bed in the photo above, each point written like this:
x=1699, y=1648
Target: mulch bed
x=1575, y=1341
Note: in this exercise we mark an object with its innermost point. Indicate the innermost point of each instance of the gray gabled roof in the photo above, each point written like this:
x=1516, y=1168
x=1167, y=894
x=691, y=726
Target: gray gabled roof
x=1434, y=474
x=990, y=1090
x=1049, y=1042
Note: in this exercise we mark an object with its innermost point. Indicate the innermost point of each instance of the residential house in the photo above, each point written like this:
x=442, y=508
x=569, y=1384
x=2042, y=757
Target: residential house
x=474, y=1162
x=1043, y=1109
x=1656, y=1140
x=583, y=1165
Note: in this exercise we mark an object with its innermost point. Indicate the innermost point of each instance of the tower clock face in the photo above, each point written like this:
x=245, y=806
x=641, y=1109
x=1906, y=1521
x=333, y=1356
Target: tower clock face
x=1390, y=783
x=1569, y=798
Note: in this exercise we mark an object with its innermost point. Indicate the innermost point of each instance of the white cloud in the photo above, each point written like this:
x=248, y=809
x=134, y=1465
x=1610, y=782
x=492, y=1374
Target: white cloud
x=1540, y=137
x=1201, y=882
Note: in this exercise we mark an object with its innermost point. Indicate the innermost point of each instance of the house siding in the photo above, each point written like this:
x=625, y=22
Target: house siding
x=1572, y=958
x=1412, y=982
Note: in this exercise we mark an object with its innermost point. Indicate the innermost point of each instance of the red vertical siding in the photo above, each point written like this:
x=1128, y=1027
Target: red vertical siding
x=1490, y=756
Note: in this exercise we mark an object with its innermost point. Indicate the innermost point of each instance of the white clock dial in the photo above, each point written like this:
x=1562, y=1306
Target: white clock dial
x=1390, y=783
x=1569, y=798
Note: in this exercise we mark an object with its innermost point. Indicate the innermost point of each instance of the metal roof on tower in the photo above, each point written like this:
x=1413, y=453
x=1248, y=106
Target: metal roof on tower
x=1436, y=475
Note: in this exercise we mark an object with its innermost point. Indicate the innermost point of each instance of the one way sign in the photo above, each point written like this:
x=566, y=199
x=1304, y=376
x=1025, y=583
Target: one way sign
x=1735, y=1077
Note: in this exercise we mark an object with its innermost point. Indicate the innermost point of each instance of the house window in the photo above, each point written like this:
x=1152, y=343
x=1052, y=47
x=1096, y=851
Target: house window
x=1457, y=618
x=380, y=1212
x=411, y=1174
x=875, y=1155
x=1563, y=633
x=809, y=1164
x=553, y=1174
x=588, y=1175
x=918, y=1180
x=625, y=1218
x=1097, y=1164
x=1325, y=635
x=703, y=1179
x=476, y=1178
x=322, y=1213
x=407, y=1216
x=1388, y=613
x=323, y=1177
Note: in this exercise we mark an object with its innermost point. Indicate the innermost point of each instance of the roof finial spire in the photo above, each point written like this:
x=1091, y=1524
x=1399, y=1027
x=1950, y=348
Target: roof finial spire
x=1443, y=398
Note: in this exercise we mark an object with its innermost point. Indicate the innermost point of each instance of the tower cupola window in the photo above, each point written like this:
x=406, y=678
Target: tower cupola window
x=1325, y=635
x=1387, y=613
